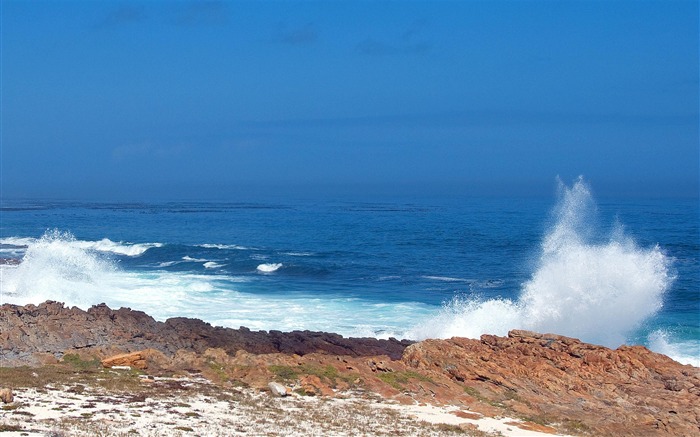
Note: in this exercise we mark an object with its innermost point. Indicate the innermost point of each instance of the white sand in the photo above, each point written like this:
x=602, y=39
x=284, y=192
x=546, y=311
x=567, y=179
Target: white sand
x=58, y=412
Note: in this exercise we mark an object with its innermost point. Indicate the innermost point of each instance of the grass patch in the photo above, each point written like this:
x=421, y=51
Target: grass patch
x=10, y=428
x=78, y=363
x=476, y=394
x=575, y=427
x=218, y=370
x=285, y=373
x=399, y=379
x=540, y=420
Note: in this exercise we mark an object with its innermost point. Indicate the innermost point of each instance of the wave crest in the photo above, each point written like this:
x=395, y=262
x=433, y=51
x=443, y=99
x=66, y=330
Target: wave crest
x=596, y=291
x=269, y=268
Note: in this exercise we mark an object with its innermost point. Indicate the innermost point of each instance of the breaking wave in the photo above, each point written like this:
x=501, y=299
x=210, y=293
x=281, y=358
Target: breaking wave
x=596, y=289
x=105, y=245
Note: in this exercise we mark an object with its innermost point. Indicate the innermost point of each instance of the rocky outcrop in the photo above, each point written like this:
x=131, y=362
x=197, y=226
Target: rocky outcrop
x=628, y=391
x=552, y=380
x=28, y=333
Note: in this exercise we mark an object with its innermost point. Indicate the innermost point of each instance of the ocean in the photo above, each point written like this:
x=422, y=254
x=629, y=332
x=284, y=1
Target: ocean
x=607, y=271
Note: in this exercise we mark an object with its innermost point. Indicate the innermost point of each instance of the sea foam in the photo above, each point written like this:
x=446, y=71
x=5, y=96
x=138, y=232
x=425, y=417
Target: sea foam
x=598, y=290
x=269, y=267
x=57, y=267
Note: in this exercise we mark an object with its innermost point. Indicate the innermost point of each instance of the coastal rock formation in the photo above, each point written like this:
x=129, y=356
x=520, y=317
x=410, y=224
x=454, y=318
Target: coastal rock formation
x=552, y=381
x=627, y=391
x=28, y=333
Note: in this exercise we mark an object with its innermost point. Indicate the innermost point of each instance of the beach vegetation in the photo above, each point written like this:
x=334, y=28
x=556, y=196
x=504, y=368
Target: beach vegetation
x=285, y=373
x=399, y=379
x=79, y=363
x=575, y=427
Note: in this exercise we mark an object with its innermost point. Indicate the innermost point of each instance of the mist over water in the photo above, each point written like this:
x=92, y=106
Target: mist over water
x=585, y=285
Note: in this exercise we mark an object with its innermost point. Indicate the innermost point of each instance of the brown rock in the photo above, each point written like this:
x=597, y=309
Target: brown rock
x=137, y=360
x=578, y=387
x=628, y=391
x=312, y=385
x=6, y=395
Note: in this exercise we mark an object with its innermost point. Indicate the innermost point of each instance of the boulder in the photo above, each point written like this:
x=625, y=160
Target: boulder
x=6, y=395
x=277, y=389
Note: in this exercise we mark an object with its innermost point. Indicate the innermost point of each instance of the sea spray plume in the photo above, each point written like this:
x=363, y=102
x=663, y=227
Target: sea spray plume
x=598, y=291
x=54, y=267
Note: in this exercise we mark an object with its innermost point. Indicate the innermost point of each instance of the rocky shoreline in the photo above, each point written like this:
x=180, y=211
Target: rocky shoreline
x=555, y=384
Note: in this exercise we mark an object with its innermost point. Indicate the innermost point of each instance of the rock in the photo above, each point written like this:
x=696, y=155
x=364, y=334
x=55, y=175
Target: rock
x=126, y=361
x=277, y=389
x=312, y=385
x=6, y=396
x=628, y=391
x=28, y=333
x=554, y=380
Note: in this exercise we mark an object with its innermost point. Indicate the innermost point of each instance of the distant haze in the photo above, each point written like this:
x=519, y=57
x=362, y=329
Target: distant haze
x=217, y=100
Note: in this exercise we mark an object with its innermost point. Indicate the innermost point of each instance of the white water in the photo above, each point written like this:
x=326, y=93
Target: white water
x=683, y=352
x=105, y=245
x=598, y=291
x=269, y=268
x=59, y=267
x=595, y=289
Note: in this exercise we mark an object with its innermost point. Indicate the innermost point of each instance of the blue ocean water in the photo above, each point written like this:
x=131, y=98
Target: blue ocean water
x=609, y=272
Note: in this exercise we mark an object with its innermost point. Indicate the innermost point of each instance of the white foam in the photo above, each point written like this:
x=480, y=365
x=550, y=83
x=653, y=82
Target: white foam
x=18, y=241
x=596, y=291
x=212, y=265
x=107, y=245
x=685, y=352
x=167, y=264
x=54, y=268
x=194, y=260
x=223, y=246
x=269, y=268
x=445, y=279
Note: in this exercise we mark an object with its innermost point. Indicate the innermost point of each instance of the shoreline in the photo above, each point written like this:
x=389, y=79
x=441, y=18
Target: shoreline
x=541, y=382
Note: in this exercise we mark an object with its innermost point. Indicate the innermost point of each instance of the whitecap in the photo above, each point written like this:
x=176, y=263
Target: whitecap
x=212, y=265
x=269, y=268
x=446, y=279
x=223, y=246
x=120, y=248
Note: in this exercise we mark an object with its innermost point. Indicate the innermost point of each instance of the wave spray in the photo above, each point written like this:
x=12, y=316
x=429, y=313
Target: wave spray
x=592, y=288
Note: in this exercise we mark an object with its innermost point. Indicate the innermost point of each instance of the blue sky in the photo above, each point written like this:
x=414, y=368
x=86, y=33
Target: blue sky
x=211, y=100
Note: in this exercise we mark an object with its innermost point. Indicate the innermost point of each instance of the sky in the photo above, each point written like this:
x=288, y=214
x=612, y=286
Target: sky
x=192, y=100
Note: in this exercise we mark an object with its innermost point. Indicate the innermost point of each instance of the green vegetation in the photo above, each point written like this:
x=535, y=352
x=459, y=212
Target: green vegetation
x=399, y=379
x=78, y=363
x=285, y=373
